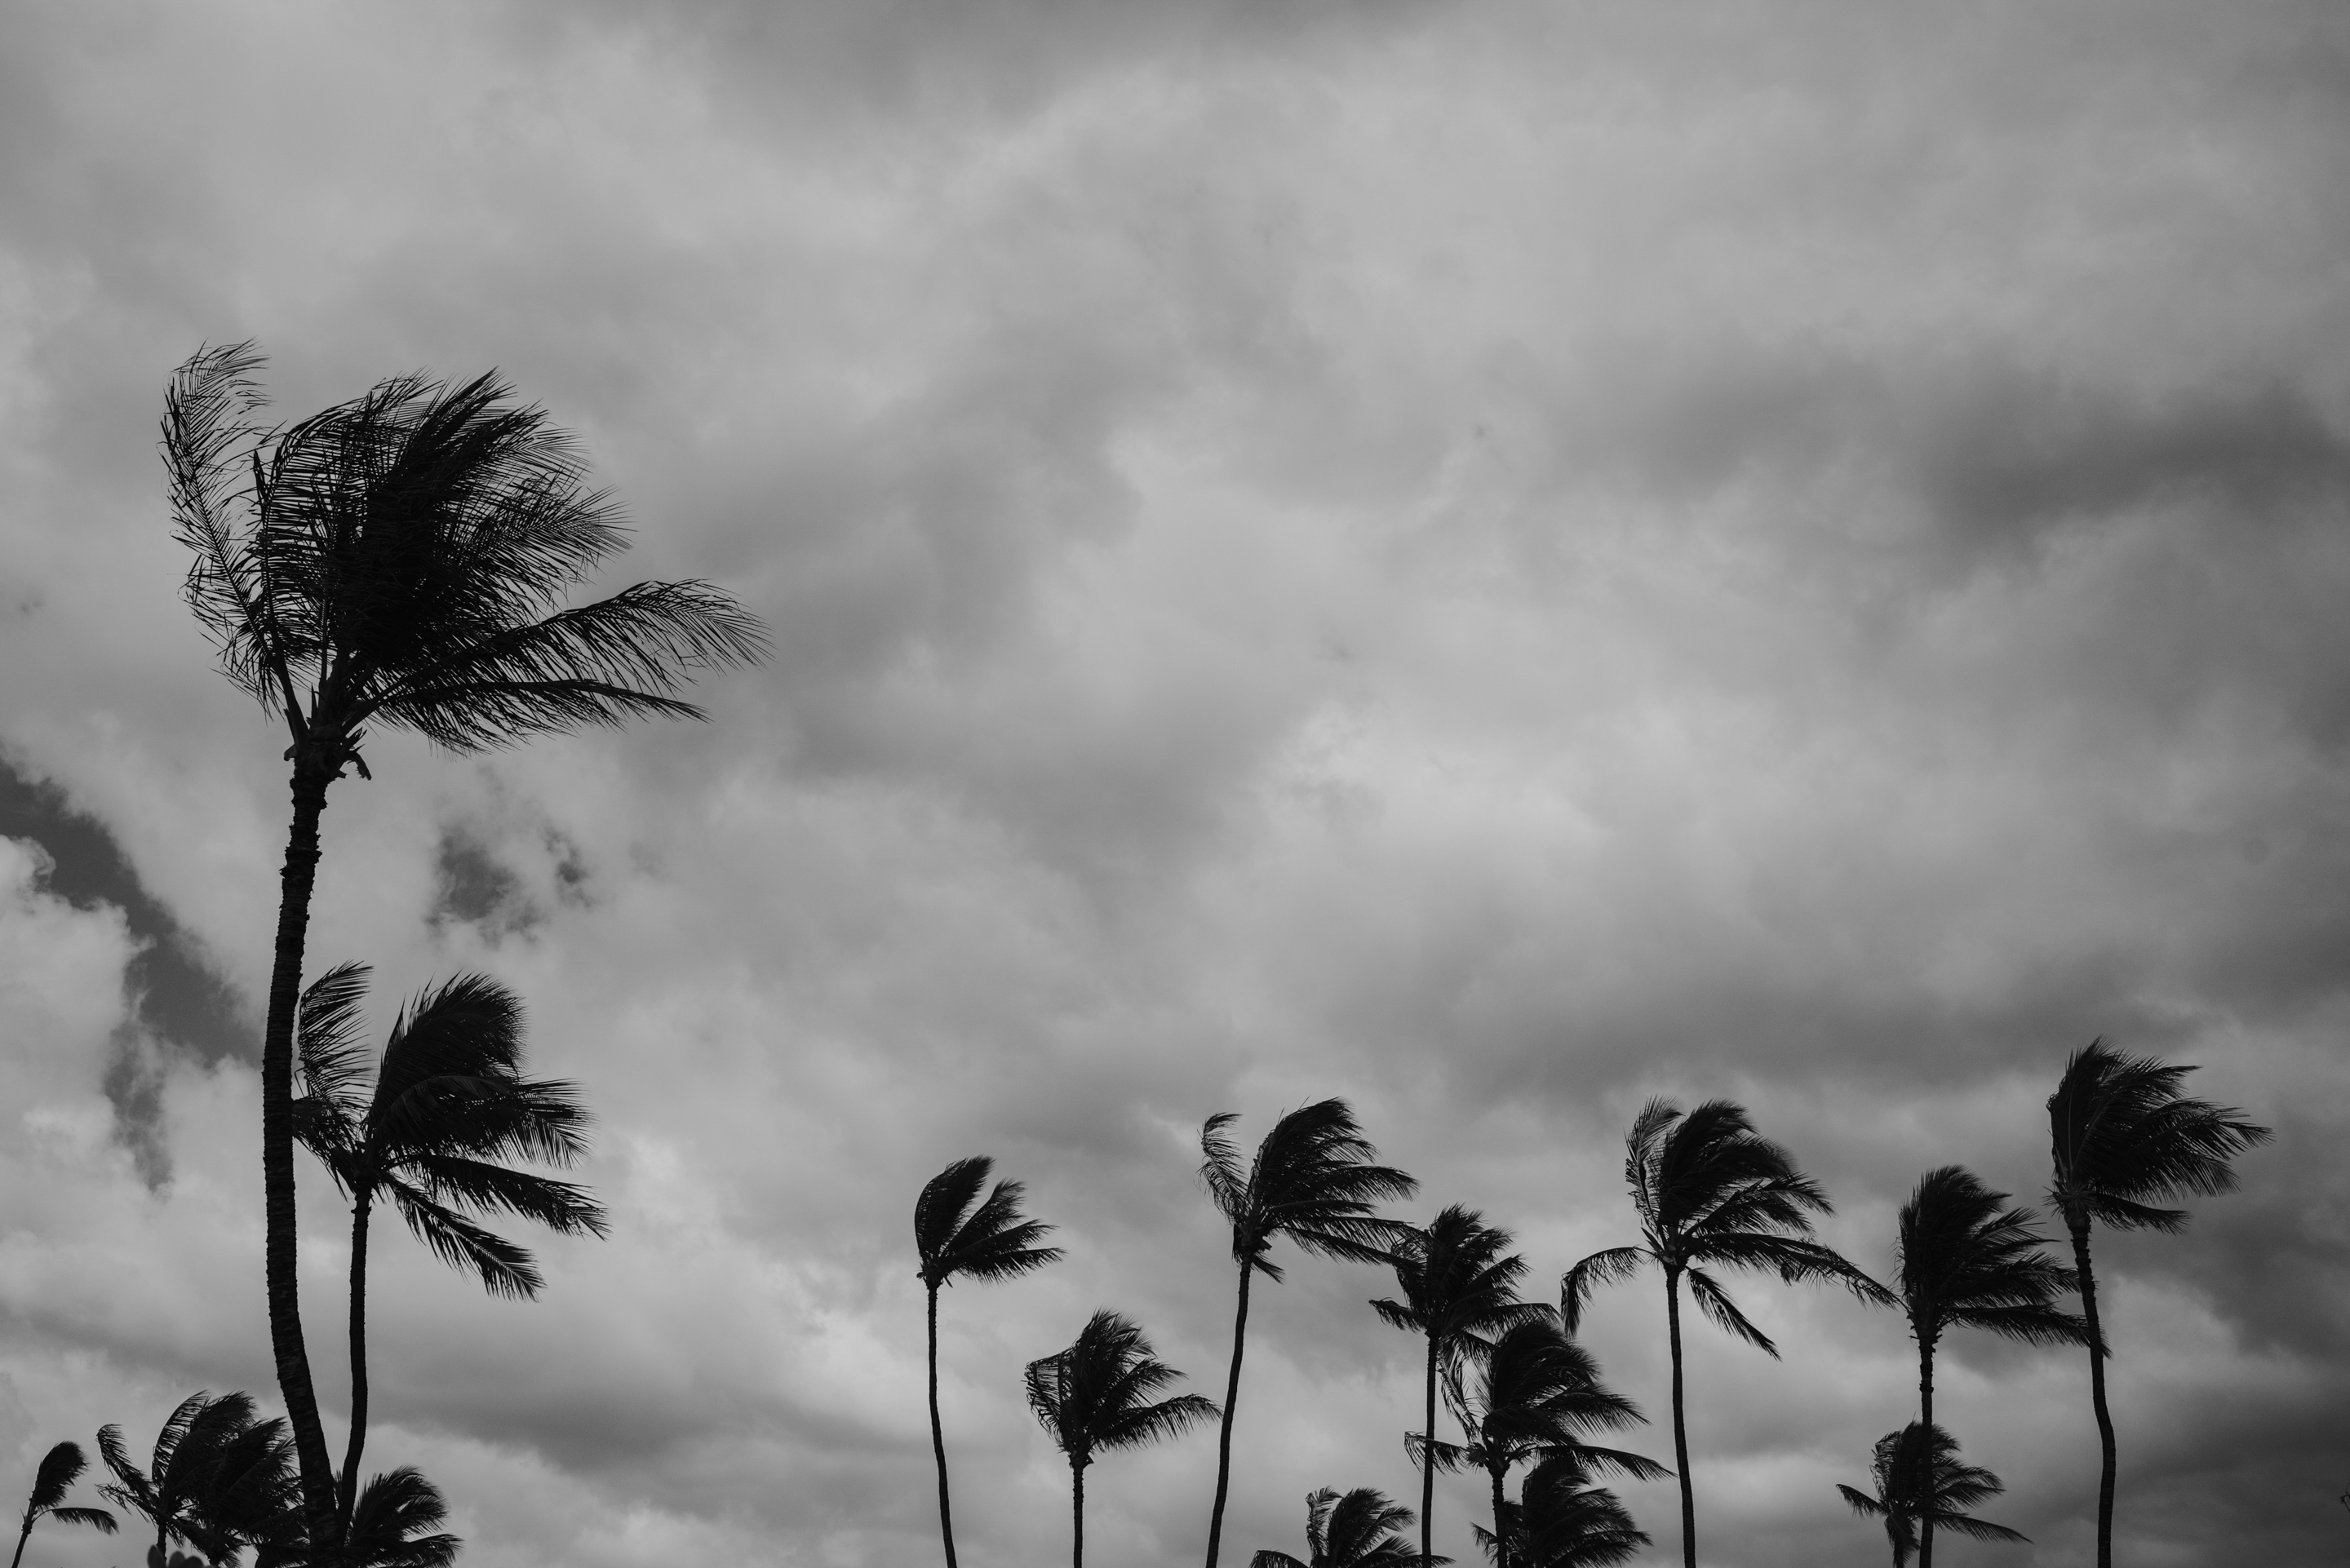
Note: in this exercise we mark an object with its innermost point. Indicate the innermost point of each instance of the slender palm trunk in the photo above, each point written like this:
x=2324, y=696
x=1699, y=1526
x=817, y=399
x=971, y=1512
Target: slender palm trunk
x=1680, y=1425
x=1926, y=1416
x=1224, y=1431
x=1501, y=1528
x=294, y=1384
x=1427, y=1465
x=1078, y=1508
x=349, y=1499
x=2106, y=1469
x=23, y=1536
x=938, y=1435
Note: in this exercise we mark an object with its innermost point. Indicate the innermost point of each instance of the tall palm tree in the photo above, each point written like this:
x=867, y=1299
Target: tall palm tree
x=217, y=1478
x=1562, y=1521
x=448, y=1108
x=1711, y=1193
x=397, y=1525
x=1917, y=1473
x=1967, y=1261
x=1459, y=1279
x=1535, y=1393
x=2124, y=1140
x=959, y=1237
x=1357, y=1530
x=1095, y=1396
x=399, y=560
x=1314, y=1180
x=60, y=1469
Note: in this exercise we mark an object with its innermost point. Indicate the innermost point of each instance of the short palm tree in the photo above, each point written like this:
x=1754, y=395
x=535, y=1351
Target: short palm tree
x=448, y=1105
x=397, y=1525
x=1315, y=1181
x=1458, y=1281
x=1711, y=1193
x=1535, y=1393
x=59, y=1469
x=2124, y=1140
x=958, y=1236
x=1095, y=1396
x=217, y=1478
x=1562, y=1521
x=399, y=560
x=1917, y=1473
x=1357, y=1530
x=1969, y=1262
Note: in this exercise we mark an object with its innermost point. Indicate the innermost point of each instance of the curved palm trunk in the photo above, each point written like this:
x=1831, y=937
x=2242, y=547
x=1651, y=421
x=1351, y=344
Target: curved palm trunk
x=349, y=1497
x=293, y=1360
x=1680, y=1426
x=938, y=1435
x=2107, y=1467
x=24, y=1535
x=1427, y=1465
x=1926, y=1416
x=1224, y=1431
x=1078, y=1508
x=1500, y=1534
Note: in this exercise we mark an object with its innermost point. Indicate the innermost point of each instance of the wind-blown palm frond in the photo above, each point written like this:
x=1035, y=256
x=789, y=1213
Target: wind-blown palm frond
x=397, y=1525
x=1095, y=1396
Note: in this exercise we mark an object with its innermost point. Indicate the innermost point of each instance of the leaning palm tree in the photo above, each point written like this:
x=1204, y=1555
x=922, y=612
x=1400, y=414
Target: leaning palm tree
x=1917, y=1475
x=1095, y=1396
x=1314, y=1180
x=1968, y=1261
x=1534, y=1394
x=399, y=560
x=1562, y=1521
x=2124, y=1140
x=958, y=1236
x=1357, y=1530
x=448, y=1108
x=1459, y=1279
x=217, y=1478
x=1711, y=1193
x=59, y=1469
x=397, y=1525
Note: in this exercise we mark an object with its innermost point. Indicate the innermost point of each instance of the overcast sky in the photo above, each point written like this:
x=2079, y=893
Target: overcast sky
x=1494, y=559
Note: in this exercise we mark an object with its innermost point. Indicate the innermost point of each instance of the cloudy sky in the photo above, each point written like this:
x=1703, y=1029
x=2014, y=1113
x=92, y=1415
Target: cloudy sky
x=1497, y=559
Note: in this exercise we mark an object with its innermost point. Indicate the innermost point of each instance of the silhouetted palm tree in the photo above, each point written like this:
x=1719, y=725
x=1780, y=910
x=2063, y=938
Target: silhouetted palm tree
x=1535, y=1392
x=1314, y=1180
x=1095, y=1396
x=2124, y=1139
x=397, y=1525
x=1562, y=1521
x=1711, y=1193
x=959, y=1237
x=217, y=1478
x=397, y=560
x=60, y=1469
x=1357, y=1530
x=1459, y=1279
x=1917, y=1473
x=448, y=1105
x=1966, y=1262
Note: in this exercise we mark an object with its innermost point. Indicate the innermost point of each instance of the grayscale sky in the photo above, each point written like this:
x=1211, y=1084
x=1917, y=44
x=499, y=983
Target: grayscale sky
x=1497, y=559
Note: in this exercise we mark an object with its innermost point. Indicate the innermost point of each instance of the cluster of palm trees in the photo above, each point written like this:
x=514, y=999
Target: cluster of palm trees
x=1712, y=1196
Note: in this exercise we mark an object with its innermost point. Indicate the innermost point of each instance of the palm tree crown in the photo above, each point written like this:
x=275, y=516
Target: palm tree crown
x=217, y=1478
x=59, y=1469
x=1562, y=1521
x=397, y=1525
x=1917, y=1473
x=1095, y=1396
x=1357, y=1530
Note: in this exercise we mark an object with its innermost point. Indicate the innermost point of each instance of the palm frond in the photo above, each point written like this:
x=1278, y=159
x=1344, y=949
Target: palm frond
x=55, y=1476
x=1604, y=1268
x=97, y=1519
x=563, y=1207
x=1715, y=1303
x=504, y=1268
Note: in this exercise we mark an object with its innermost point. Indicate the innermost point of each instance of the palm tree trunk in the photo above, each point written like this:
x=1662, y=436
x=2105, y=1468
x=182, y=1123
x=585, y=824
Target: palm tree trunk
x=938, y=1435
x=1680, y=1425
x=23, y=1536
x=1500, y=1535
x=1077, y=1506
x=293, y=1360
x=1427, y=1465
x=2106, y=1469
x=1224, y=1431
x=1926, y=1417
x=351, y=1489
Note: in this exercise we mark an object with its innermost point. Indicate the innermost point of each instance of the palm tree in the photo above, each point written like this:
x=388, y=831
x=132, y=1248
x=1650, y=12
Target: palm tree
x=60, y=1469
x=397, y=560
x=958, y=1236
x=2124, y=1139
x=448, y=1105
x=1459, y=1279
x=1918, y=1474
x=1536, y=1392
x=397, y=1525
x=1314, y=1181
x=1095, y=1396
x=1563, y=1521
x=217, y=1478
x=1357, y=1530
x=1711, y=1193
x=1968, y=1262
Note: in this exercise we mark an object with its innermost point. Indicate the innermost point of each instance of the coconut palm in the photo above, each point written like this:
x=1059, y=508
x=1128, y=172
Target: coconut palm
x=959, y=1237
x=396, y=1523
x=2124, y=1140
x=1459, y=1279
x=397, y=560
x=448, y=1108
x=1314, y=1180
x=1967, y=1261
x=59, y=1469
x=1535, y=1392
x=1918, y=1474
x=1357, y=1530
x=1562, y=1521
x=217, y=1478
x=1711, y=1193
x=1095, y=1396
